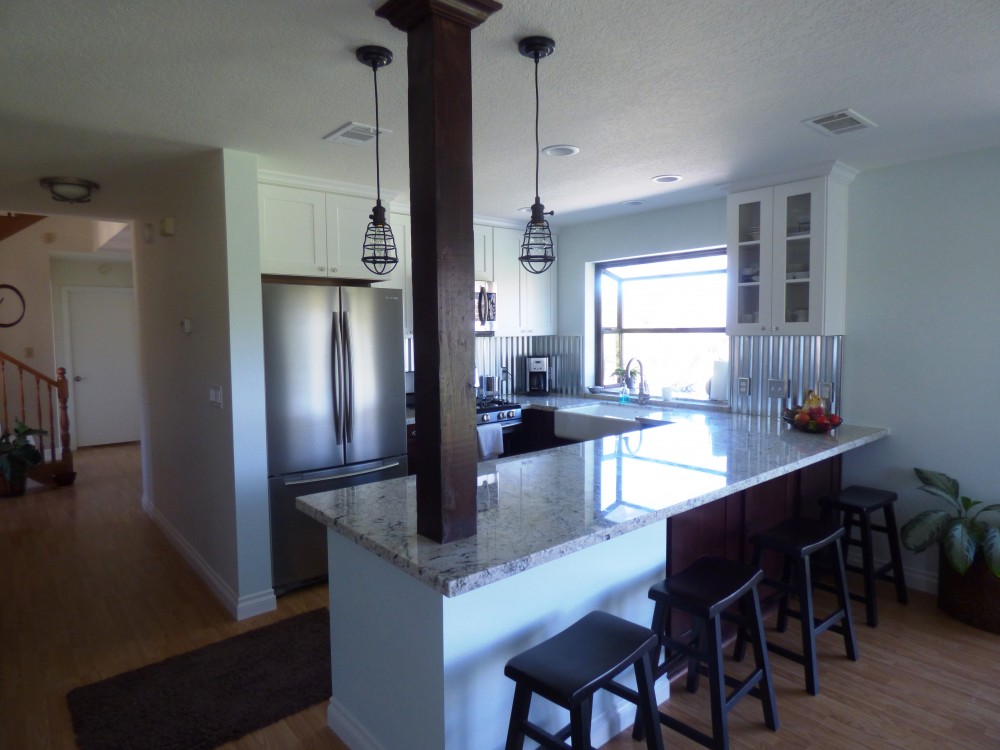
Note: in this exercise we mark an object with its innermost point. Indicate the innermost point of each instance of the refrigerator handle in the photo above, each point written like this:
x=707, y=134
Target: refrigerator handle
x=348, y=381
x=336, y=377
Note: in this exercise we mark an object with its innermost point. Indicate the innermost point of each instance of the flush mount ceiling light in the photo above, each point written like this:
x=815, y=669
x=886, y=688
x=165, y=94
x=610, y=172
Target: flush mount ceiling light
x=379, y=249
x=633, y=203
x=666, y=179
x=561, y=149
x=537, y=252
x=69, y=189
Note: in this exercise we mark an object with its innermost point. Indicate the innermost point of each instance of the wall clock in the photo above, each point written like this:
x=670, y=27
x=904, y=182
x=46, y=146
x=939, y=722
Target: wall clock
x=11, y=306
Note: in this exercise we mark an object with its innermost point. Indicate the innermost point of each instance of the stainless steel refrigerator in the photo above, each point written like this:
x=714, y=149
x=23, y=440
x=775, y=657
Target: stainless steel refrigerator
x=336, y=415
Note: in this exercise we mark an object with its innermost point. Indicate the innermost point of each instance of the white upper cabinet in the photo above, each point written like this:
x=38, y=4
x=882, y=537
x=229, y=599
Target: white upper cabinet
x=482, y=239
x=292, y=231
x=786, y=248
x=400, y=224
x=526, y=302
x=313, y=233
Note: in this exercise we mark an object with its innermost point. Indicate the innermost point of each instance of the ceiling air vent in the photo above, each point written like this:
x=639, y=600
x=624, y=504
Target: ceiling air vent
x=838, y=123
x=354, y=133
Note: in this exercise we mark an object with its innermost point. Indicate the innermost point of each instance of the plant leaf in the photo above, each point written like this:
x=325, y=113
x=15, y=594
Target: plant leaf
x=938, y=484
x=968, y=503
x=959, y=546
x=991, y=550
x=995, y=507
x=924, y=529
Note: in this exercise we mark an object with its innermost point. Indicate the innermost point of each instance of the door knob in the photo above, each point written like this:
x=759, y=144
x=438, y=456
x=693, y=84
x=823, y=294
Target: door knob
x=78, y=378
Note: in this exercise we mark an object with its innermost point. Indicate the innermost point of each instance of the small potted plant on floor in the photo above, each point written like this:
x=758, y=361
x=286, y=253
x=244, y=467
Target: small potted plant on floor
x=969, y=551
x=17, y=452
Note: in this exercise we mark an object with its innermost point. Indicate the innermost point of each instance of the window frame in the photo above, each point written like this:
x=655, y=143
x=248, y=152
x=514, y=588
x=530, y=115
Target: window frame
x=602, y=267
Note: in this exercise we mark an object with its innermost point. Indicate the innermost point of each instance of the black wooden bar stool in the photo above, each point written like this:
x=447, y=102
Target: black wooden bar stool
x=857, y=504
x=798, y=540
x=707, y=590
x=571, y=666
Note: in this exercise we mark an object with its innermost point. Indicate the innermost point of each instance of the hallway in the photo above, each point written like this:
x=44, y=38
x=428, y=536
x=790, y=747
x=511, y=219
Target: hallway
x=89, y=588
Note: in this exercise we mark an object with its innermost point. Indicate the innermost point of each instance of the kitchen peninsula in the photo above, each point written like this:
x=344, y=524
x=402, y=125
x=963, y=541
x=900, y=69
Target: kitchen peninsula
x=421, y=631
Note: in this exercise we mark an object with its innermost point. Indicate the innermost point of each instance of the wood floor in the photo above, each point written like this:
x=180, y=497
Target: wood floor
x=90, y=588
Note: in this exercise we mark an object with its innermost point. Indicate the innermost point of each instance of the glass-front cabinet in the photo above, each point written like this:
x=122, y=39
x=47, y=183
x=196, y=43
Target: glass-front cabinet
x=786, y=265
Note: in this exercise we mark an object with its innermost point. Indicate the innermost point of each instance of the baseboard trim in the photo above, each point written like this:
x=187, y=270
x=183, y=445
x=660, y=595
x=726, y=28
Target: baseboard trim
x=240, y=608
x=604, y=726
x=916, y=578
x=352, y=733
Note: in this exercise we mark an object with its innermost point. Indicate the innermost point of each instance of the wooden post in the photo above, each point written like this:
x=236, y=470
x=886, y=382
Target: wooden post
x=439, y=65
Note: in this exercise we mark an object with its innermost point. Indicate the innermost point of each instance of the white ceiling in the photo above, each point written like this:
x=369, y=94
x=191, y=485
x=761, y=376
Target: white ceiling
x=714, y=90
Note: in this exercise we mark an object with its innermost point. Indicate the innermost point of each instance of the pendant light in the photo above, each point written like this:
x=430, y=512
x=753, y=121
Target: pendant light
x=537, y=252
x=379, y=250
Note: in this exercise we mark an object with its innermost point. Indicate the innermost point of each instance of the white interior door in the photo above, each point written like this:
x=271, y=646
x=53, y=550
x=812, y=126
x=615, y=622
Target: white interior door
x=103, y=365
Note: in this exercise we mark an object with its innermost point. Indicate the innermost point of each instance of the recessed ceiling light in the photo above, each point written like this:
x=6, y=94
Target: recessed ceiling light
x=667, y=178
x=633, y=203
x=561, y=149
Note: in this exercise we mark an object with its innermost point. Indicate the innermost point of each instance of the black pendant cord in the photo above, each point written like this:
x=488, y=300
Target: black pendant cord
x=537, y=199
x=378, y=177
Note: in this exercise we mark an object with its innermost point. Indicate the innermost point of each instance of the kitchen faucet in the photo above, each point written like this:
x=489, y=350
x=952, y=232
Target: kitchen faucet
x=642, y=388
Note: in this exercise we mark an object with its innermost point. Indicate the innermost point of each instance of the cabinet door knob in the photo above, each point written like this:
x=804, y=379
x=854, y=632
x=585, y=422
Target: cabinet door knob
x=320, y=268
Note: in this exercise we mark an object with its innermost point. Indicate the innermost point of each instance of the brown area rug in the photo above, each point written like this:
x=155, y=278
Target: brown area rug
x=205, y=698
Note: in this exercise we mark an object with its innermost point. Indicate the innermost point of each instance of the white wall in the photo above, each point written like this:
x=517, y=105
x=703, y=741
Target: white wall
x=922, y=348
x=209, y=498
x=688, y=227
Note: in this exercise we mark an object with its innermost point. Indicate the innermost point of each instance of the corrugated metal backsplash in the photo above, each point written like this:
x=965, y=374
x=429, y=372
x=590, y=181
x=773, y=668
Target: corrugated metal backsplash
x=495, y=355
x=804, y=361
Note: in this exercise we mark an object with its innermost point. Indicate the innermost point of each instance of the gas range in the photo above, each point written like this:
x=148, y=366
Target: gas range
x=489, y=410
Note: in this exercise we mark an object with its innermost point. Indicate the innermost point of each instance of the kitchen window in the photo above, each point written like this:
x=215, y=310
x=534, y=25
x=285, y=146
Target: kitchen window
x=669, y=312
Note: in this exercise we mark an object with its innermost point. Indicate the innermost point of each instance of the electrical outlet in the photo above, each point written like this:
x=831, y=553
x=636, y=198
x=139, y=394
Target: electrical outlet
x=743, y=386
x=215, y=395
x=777, y=388
x=826, y=390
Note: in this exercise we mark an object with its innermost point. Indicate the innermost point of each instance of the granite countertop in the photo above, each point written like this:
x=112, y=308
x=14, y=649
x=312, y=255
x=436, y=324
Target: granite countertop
x=541, y=506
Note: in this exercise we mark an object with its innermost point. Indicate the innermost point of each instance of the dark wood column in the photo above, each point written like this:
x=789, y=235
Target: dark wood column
x=439, y=65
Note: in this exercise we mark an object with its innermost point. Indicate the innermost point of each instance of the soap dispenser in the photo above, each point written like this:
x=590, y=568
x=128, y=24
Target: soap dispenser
x=623, y=395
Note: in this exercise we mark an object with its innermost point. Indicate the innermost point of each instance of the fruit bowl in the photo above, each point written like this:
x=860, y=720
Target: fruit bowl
x=829, y=422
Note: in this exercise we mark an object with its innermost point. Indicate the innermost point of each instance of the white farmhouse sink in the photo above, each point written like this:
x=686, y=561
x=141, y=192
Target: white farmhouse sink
x=600, y=420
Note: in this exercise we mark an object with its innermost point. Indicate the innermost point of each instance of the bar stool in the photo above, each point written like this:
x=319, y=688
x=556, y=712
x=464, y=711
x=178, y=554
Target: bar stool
x=857, y=503
x=706, y=590
x=571, y=666
x=797, y=540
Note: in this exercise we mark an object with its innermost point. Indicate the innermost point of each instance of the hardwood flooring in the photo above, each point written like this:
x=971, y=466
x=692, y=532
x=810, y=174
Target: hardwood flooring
x=89, y=587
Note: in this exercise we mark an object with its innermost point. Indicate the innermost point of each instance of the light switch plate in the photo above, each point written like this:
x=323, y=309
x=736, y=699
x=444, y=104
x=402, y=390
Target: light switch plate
x=215, y=395
x=743, y=386
x=777, y=388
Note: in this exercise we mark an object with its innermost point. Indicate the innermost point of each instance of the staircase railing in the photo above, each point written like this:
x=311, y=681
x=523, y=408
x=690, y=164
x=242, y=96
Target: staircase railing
x=50, y=396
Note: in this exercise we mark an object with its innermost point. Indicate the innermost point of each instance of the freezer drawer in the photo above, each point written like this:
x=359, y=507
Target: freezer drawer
x=298, y=543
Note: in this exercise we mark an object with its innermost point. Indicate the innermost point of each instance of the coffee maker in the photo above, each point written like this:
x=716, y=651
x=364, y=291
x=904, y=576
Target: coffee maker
x=541, y=375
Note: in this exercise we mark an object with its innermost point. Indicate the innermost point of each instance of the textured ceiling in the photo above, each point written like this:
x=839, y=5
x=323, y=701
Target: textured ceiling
x=714, y=90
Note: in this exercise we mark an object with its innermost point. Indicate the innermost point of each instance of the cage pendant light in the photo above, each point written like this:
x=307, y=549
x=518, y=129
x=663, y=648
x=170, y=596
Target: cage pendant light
x=379, y=249
x=537, y=252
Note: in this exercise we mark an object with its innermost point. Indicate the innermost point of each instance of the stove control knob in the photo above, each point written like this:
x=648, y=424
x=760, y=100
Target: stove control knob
x=500, y=415
x=510, y=414
x=486, y=418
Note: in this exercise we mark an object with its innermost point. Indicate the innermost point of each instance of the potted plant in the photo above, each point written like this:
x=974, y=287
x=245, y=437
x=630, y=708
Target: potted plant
x=969, y=552
x=17, y=453
x=626, y=376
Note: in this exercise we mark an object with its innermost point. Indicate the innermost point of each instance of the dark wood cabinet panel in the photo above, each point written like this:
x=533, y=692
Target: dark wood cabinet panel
x=722, y=528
